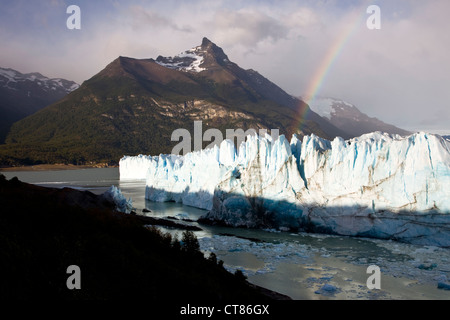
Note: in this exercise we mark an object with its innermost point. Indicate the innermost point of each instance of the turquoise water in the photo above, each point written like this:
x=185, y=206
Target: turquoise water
x=302, y=266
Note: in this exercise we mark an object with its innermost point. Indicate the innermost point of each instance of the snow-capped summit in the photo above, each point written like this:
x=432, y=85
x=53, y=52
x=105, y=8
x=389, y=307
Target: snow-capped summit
x=349, y=118
x=22, y=94
x=13, y=80
x=329, y=107
x=197, y=59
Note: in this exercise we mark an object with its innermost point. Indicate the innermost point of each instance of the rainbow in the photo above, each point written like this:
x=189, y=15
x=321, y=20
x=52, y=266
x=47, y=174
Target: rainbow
x=331, y=56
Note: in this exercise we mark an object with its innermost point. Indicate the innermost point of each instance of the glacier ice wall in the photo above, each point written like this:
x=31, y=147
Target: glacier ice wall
x=135, y=168
x=376, y=185
x=378, y=171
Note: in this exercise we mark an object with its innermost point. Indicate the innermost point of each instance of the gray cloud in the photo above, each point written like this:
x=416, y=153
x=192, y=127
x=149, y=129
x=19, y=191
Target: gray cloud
x=141, y=17
x=246, y=27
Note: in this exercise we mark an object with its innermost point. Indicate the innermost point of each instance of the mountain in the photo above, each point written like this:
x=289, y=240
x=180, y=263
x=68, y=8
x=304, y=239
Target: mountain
x=349, y=118
x=377, y=185
x=133, y=106
x=23, y=94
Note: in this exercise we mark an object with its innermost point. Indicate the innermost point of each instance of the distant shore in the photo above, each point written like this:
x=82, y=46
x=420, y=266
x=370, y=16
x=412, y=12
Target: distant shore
x=48, y=167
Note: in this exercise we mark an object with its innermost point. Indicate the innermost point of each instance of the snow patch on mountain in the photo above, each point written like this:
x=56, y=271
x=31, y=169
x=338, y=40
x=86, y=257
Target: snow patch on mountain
x=189, y=60
x=9, y=74
x=326, y=107
x=350, y=119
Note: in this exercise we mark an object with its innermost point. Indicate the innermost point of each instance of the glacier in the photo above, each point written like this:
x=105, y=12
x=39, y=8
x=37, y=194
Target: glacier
x=376, y=185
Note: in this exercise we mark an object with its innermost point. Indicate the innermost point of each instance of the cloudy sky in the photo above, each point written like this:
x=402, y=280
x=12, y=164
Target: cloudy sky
x=400, y=73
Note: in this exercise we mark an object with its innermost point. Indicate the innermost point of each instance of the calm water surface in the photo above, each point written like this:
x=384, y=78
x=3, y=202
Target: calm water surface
x=302, y=266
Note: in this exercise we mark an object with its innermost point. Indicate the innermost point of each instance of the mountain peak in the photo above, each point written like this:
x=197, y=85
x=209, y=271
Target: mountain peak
x=209, y=46
x=348, y=117
x=206, y=42
x=214, y=51
x=197, y=59
x=15, y=80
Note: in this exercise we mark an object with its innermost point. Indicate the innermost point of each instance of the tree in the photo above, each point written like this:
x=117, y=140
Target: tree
x=240, y=275
x=190, y=242
x=176, y=243
x=212, y=257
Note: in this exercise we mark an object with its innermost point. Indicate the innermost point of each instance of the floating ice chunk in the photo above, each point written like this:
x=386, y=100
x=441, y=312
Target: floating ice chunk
x=182, y=215
x=122, y=204
x=443, y=286
x=328, y=290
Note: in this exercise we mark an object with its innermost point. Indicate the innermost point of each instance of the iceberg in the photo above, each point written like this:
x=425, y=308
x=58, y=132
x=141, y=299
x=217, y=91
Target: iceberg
x=114, y=195
x=376, y=185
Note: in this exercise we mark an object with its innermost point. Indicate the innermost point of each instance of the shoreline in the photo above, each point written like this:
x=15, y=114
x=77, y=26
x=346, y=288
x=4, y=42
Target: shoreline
x=55, y=167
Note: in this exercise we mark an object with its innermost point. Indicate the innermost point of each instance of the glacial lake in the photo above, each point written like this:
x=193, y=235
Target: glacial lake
x=300, y=265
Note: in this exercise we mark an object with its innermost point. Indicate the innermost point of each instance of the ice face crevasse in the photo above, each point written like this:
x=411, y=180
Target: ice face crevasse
x=376, y=185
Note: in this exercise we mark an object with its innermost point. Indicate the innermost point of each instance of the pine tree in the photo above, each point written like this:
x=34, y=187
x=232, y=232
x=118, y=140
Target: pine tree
x=190, y=242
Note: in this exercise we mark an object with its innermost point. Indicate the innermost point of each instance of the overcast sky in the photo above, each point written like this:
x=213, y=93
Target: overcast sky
x=400, y=73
